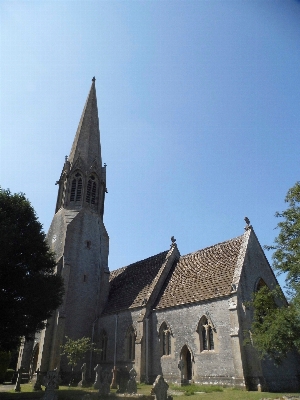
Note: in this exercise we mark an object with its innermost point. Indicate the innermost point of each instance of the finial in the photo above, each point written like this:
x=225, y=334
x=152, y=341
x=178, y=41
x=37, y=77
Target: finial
x=173, y=240
x=66, y=158
x=93, y=79
x=248, y=226
x=105, y=164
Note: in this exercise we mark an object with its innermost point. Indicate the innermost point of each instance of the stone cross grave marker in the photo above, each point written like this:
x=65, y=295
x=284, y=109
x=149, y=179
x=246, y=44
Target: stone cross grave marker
x=97, y=382
x=83, y=373
x=160, y=388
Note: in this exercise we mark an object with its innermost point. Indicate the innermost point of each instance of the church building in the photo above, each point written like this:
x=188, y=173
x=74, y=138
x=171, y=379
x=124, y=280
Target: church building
x=181, y=316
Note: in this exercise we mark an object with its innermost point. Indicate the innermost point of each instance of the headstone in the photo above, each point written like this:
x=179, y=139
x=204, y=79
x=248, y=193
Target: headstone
x=259, y=387
x=181, y=367
x=51, y=383
x=83, y=373
x=18, y=381
x=131, y=385
x=38, y=383
x=97, y=382
x=122, y=379
x=160, y=388
x=105, y=380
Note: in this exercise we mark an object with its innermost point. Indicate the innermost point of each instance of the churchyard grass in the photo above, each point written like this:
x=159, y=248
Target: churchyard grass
x=75, y=393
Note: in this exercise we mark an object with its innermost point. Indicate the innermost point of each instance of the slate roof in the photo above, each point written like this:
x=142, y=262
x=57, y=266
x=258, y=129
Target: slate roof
x=202, y=275
x=130, y=285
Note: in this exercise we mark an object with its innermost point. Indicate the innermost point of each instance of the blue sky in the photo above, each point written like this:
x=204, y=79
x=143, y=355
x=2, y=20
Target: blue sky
x=198, y=106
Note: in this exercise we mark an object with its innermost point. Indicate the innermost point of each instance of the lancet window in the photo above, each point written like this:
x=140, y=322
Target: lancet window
x=206, y=335
x=165, y=339
x=91, y=190
x=130, y=343
x=76, y=187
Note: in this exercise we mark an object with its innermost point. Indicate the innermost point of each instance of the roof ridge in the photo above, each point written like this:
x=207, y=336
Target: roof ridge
x=137, y=262
x=214, y=245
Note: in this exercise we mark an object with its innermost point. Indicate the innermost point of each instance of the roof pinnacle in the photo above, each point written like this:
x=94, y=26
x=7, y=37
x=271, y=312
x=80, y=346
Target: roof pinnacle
x=94, y=79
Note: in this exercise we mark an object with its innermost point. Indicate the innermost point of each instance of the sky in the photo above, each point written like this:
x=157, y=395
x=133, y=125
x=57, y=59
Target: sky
x=198, y=107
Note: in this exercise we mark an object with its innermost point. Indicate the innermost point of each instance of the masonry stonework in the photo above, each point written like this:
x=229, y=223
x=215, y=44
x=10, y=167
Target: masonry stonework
x=182, y=317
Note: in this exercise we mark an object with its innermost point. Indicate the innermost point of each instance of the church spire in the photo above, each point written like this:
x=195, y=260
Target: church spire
x=83, y=179
x=86, y=145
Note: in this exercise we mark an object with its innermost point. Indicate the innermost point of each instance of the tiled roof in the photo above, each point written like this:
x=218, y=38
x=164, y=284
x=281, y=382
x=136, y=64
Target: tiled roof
x=130, y=285
x=202, y=275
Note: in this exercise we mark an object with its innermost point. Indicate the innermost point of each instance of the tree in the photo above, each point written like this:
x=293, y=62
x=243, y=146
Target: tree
x=75, y=350
x=29, y=288
x=276, y=325
x=286, y=257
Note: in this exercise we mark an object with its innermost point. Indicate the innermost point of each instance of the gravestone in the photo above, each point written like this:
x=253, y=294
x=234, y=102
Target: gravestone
x=83, y=373
x=51, y=383
x=160, y=388
x=105, y=380
x=122, y=379
x=97, y=382
x=181, y=367
x=19, y=380
x=38, y=383
x=131, y=385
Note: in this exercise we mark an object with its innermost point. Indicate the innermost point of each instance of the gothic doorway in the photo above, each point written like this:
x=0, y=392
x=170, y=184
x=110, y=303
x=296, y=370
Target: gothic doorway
x=186, y=357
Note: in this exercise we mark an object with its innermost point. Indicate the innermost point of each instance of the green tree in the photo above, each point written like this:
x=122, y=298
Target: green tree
x=29, y=289
x=276, y=325
x=75, y=351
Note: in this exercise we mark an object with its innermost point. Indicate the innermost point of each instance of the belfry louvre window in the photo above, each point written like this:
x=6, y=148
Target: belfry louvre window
x=76, y=188
x=91, y=190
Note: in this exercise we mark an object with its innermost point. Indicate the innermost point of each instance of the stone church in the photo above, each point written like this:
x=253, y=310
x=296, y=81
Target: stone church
x=182, y=316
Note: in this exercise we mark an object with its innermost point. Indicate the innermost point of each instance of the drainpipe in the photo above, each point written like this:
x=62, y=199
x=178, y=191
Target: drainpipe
x=147, y=350
x=114, y=379
x=93, y=326
x=91, y=354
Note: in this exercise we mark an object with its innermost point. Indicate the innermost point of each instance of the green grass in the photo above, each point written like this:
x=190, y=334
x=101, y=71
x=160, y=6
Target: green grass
x=211, y=393
x=190, y=390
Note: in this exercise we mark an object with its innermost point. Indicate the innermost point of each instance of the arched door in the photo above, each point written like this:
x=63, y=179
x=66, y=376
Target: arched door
x=187, y=370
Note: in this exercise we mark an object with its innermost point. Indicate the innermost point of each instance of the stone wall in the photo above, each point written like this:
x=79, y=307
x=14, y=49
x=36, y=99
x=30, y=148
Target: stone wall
x=214, y=366
x=266, y=373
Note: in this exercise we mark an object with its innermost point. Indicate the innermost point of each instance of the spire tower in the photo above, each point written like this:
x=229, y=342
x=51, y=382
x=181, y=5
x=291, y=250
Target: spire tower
x=78, y=238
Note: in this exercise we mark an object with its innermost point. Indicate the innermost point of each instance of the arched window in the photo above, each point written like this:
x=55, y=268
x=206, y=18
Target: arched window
x=206, y=335
x=130, y=344
x=91, y=190
x=103, y=345
x=76, y=187
x=165, y=339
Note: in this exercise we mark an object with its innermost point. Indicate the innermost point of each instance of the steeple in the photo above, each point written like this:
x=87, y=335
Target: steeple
x=86, y=144
x=83, y=179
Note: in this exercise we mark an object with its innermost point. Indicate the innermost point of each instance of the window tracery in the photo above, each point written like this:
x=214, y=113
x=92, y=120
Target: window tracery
x=206, y=335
